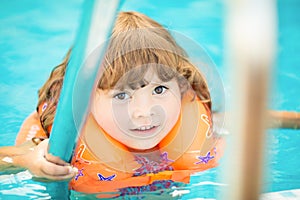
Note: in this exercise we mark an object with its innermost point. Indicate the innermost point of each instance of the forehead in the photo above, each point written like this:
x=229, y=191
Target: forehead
x=151, y=75
x=143, y=75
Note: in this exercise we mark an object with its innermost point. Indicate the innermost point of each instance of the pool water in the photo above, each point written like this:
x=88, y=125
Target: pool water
x=35, y=35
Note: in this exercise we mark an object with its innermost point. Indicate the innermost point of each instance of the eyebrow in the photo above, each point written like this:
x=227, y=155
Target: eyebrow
x=134, y=85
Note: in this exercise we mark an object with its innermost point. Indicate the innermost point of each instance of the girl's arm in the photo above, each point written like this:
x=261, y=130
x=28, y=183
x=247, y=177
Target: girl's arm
x=9, y=153
x=30, y=153
x=285, y=119
x=36, y=160
x=277, y=119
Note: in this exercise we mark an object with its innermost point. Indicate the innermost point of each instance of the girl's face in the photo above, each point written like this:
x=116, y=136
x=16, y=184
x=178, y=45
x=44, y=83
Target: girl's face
x=142, y=117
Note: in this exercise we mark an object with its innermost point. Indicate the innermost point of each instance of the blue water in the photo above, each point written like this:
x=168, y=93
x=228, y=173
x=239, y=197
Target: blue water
x=35, y=35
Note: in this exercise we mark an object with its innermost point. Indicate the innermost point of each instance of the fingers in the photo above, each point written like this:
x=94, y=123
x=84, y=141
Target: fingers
x=55, y=159
x=53, y=169
x=59, y=172
x=48, y=177
x=48, y=166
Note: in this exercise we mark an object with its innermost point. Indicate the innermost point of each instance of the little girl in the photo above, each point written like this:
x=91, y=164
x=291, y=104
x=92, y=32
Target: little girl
x=150, y=116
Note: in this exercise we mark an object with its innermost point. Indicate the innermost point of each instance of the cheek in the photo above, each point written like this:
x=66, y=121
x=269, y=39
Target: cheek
x=172, y=109
x=106, y=121
x=120, y=114
x=101, y=110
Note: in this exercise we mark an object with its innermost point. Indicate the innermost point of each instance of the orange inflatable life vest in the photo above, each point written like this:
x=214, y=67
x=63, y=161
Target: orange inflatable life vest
x=106, y=165
x=30, y=128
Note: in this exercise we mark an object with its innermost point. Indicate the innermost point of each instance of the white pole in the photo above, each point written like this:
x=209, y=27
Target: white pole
x=251, y=43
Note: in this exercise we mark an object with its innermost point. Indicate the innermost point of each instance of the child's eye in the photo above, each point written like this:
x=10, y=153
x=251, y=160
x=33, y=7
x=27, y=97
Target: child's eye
x=121, y=96
x=159, y=90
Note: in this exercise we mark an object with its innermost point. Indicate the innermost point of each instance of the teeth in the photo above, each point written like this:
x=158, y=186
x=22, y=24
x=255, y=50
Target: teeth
x=143, y=128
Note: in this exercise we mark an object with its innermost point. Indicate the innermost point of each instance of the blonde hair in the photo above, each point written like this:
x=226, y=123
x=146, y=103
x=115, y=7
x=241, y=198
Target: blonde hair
x=136, y=42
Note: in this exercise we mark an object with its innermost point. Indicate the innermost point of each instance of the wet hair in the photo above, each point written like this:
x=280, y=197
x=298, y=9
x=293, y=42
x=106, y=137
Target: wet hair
x=136, y=44
x=49, y=93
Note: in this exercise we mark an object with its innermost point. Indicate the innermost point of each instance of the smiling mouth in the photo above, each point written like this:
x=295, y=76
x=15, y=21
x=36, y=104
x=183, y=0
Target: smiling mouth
x=145, y=129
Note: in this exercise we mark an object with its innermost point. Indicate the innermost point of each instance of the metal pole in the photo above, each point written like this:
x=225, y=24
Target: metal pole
x=250, y=38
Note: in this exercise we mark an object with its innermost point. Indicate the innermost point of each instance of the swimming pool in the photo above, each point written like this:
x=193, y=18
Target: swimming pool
x=36, y=35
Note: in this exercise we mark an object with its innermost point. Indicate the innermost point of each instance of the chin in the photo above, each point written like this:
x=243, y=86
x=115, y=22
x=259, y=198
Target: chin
x=143, y=146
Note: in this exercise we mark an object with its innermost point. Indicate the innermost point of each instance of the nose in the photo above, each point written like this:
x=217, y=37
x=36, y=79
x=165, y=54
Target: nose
x=141, y=107
x=140, y=113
